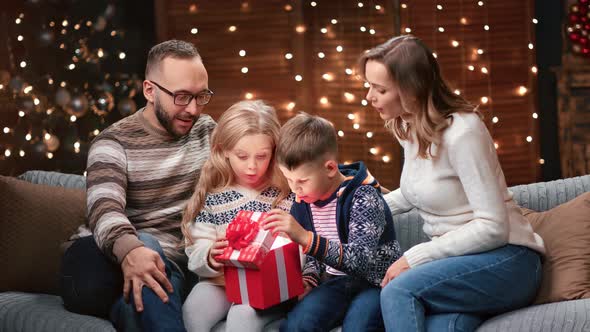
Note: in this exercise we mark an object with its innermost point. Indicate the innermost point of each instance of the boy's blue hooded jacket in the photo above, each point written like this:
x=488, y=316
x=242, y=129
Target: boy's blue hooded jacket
x=367, y=245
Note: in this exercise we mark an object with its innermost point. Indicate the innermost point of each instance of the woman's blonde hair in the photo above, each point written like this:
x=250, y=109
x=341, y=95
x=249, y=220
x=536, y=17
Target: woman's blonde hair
x=241, y=119
x=425, y=97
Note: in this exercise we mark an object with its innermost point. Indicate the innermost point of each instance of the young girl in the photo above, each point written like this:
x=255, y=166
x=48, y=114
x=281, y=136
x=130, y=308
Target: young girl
x=241, y=174
x=481, y=244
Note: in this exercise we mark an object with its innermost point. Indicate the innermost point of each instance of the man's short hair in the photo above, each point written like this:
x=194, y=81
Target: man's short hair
x=306, y=138
x=170, y=49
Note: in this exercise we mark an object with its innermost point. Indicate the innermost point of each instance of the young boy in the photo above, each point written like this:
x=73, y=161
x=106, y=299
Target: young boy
x=344, y=225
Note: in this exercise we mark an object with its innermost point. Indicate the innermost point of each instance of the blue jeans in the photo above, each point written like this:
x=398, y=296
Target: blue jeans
x=91, y=284
x=458, y=293
x=345, y=300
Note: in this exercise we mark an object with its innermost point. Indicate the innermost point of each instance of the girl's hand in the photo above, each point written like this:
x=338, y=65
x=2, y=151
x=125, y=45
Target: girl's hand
x=397, y=268
x=215, y=250
x=281, y=221
x=307, y=287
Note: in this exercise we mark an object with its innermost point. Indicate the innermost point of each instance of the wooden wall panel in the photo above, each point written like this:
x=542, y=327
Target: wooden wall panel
x=506, y=56
x=267, y=32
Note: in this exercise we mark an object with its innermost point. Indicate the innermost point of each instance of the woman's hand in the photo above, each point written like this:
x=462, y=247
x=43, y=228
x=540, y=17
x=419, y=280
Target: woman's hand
x=397, y=268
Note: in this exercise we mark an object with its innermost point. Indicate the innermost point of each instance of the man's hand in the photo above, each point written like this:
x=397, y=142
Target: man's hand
x=216, y=250
x=397, y=268
x=143, y=266
x=281, y=221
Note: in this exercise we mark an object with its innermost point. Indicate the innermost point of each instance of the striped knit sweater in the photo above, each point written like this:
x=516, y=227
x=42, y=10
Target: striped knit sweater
x=220, y=208
x=138, y=179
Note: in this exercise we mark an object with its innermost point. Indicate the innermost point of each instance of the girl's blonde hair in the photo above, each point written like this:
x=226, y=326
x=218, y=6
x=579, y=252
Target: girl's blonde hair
x=425, y=97
x=241, y=119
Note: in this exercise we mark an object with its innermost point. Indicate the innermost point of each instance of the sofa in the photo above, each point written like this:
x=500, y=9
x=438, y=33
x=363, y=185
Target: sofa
x=42, y=310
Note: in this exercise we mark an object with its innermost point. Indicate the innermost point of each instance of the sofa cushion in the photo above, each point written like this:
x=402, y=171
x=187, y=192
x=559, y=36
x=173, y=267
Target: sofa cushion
x=25, y=312
x=566, y=316
x=566, y=232
x=34, y=220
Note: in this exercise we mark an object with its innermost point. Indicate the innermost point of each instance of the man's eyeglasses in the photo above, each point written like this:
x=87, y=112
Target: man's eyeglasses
x=183, y=98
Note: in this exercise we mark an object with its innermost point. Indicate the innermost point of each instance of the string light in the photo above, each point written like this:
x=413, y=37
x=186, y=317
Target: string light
x=23, y=64
x=244, y=70
x=535, y=21
x=324, y=101
x=363, y=29
x=232, y=28
x=20, y=38
x=28, y=89
x=351, y=116
x=495, y=119
x=484, y=70
x=439, y=7
x=21, y=114
x=356, y=126
x=529, y=139
x=73, y=118
x=194, y=31
x=122, y=55
x=324, y=30
x=313, y=4
x=369, y=134
x=404, y=6
x=457, y=92
x=288, y=56
x=496, y=145
x=486, y=27
x=372, y=31
x=364, y=102
x=6, y=130
x=522, y=90
x=349, y=97
x=531, y=46
x=455, y=43
x=471, y=67
x=348, y=71
x=480, y=3
x=339, y=48
x=484, y=100
x=541, y=161
x=298, y=78
x=21, y=153
x=360, y=5
x=441, y=29
x=28, y=137
x=7, y=153
x=242, y=53
x=340, y=133
x=334, y=21
x=321, y=55
x=386, y=159
x=249, y=95
x=300, y=28
x=535, y=115
x=373, y=151
x=49, y=155
x=534, y=69
x=328, y=77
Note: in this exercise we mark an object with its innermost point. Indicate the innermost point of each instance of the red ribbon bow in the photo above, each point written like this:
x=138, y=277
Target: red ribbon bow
x=241, y=232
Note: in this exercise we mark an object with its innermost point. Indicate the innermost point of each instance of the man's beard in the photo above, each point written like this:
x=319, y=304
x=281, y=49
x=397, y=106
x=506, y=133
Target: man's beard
x=166, y=120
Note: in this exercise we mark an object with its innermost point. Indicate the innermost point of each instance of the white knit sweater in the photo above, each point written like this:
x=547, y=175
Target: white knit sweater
x=461, y=195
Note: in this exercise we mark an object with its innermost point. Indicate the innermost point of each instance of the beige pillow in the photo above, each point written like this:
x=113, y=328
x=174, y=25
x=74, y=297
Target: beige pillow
x=566, y=232
x=34, y=220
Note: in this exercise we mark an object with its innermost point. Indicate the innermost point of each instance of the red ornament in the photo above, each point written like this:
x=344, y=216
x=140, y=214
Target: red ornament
x=574, y=18
x=583, y=2
x=574, y=36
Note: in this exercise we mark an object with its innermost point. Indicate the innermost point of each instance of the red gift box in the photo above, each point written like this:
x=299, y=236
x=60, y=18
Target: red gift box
x=248, y=243
x=276, y=280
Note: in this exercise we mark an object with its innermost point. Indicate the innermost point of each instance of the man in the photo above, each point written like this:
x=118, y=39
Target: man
x=140, y=172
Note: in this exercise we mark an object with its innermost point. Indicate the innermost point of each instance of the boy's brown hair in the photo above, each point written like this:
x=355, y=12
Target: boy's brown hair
x=306, y=138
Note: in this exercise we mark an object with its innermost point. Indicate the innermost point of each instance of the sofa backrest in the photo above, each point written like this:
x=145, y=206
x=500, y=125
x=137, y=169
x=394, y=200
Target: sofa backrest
x=540, y=196
x=55, y=179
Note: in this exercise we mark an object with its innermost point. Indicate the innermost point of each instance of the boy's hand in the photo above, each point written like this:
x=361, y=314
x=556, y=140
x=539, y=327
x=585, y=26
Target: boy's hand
x=281, y=221
x=215, y=250
x=307, y=287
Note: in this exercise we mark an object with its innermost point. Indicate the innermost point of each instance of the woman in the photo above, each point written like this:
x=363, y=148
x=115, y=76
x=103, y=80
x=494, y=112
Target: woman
x=481, y=244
